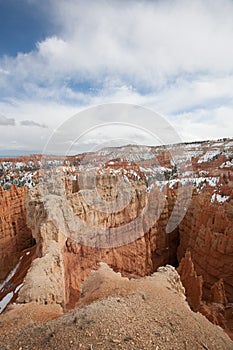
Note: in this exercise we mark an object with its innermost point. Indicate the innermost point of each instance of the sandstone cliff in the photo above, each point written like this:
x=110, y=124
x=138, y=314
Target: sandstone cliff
x=134, y=209
x=15, y=235
x=207, y=232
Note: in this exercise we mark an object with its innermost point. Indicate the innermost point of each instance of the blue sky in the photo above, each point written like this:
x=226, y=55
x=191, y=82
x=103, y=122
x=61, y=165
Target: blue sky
x=58, y=57
x=23, y=23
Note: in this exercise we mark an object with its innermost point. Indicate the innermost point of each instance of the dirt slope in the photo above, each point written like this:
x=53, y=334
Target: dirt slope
x=148, y=313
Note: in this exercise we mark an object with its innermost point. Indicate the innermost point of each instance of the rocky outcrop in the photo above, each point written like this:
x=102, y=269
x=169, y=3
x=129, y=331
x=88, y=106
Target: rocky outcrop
x=218, y=294
x=70, y=222
x=107, y=207
x=15, y=234
x=44, y=282
x=11, y=285
x=207, y=232
x=193, y=284
x=214, y=306
x=88, y=230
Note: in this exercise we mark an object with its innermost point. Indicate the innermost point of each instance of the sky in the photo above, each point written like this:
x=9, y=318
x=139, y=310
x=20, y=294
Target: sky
x=62, y=57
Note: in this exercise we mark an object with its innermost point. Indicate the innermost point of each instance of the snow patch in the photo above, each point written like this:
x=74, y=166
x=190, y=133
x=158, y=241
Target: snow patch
x=9, y=277
x=18, y=288
x=227, y=164
x=219, y=198
x=218, y=144
x=198, y=182
x=5, y=301
x=208, y=156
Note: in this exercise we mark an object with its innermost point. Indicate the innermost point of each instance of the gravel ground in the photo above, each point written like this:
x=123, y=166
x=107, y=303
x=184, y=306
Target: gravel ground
x=153, y=316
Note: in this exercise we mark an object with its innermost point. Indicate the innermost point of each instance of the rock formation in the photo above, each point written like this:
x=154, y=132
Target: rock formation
x=207, y=232
x=147, y=313
x=132, y=208
x=218, y=294
x=15, y=235
x=193, y=284
x=214, y=304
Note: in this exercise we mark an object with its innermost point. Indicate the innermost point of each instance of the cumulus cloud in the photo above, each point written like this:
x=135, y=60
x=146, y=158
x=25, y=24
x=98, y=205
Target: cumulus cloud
x=32, y=123
x=173, y=57
x=148, y=44
x=6, y=121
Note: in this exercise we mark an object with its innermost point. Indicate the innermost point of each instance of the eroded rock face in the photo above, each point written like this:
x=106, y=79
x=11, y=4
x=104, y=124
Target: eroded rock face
x=65, y=220
x=207, y=231
x=218, y=294
x=193, y=284
x=44, y=282
x=15, y=234
x=215, y=304
x=89, y=226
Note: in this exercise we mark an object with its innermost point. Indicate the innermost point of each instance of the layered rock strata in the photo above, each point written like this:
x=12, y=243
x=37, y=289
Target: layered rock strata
x=129, y=217
x=15, y=234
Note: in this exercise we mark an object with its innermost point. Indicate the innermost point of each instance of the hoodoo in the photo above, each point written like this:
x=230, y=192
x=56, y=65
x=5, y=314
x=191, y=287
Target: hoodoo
x=133, y=208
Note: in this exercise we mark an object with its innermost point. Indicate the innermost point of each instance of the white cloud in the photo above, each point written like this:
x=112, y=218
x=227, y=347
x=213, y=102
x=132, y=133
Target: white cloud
x=205, y=124
x=147, y=43
x=6, y=121
x=3, y=71
x=20, y=137
x=32, y=123
x=173, y=57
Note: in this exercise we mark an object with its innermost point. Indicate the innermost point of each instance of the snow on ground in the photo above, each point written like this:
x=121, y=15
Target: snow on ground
x=6, y=165
x=136, y=176
x=10, y=275
x=218, y=144
x=227, y=164
x=192, y=146
x=219, y=198
x=198, y=182
x=187, y=155
x=129, y=153
x=18, y=288
x=208, y=156
x=187, y=173
x=203, y=173
x=5, y=301
x=181, y=155
x=19, y=165
x=145, y=170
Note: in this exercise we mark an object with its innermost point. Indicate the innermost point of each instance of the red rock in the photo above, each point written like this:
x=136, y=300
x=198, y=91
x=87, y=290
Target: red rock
x=217, y=293
x=192, y=283
x=15, y=235
x=205, y=235
x=206, y=231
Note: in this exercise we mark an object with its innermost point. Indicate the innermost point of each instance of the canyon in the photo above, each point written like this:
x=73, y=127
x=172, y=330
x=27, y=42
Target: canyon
x=135, y=208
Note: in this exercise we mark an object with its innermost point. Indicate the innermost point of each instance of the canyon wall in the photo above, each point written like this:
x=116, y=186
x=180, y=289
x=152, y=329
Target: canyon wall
x=15, y=235
x=122, y=218
x=207, y=232
x=69, y=221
